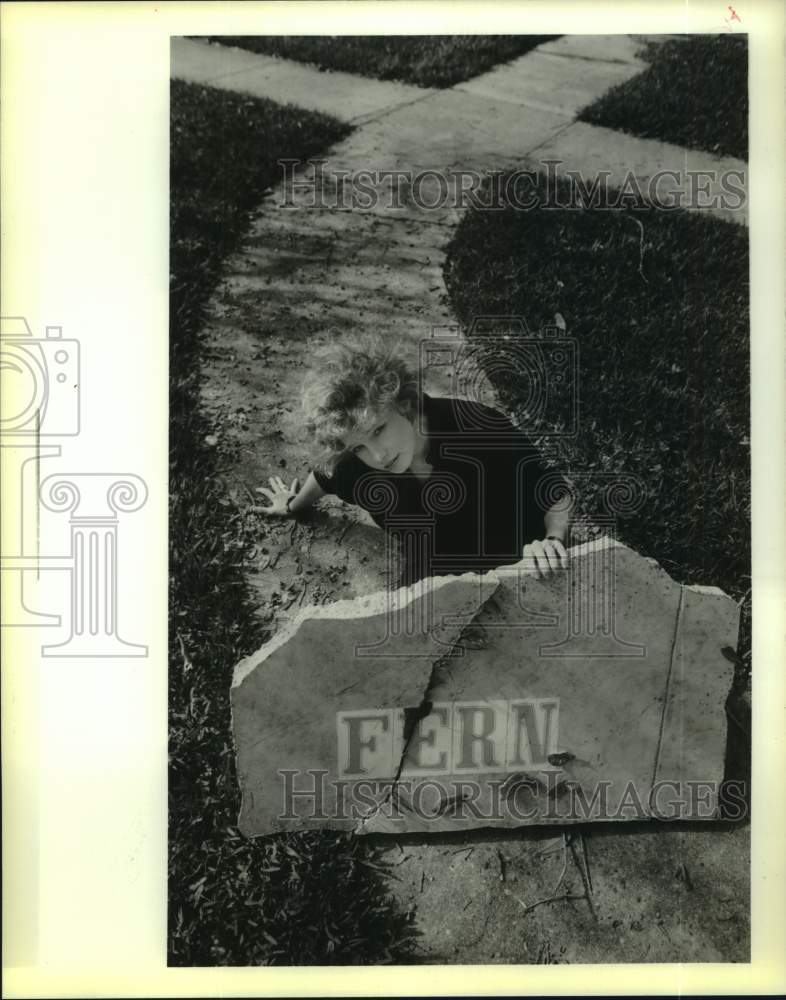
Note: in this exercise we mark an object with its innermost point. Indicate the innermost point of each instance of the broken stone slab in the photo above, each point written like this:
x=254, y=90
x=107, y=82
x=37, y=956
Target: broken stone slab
x=593, y=694
x=693, y=731
x=349, y=657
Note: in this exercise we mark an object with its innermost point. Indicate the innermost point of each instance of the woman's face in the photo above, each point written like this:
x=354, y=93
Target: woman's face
x=386, y=442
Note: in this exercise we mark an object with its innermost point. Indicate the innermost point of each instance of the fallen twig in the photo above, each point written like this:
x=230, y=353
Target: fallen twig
x=584, y=872
x=568, y=840
x=586, y=861
x=555, y=846
x=187, y=664
x=564, y=871
x=546, y=899
x=640, y=224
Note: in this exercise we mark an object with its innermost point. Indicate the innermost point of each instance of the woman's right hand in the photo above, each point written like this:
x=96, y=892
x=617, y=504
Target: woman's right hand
x=278, y=495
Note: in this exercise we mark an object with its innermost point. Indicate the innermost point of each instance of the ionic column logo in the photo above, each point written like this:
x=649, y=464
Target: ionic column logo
x=94, y=502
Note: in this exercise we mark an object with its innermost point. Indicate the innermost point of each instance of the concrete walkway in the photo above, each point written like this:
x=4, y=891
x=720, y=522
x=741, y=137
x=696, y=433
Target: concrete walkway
x=557, y=79
x=318, y=271
x=288, y=82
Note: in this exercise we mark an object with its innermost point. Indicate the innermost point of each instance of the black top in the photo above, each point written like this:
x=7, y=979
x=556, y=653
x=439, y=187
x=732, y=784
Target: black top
x=482, y=503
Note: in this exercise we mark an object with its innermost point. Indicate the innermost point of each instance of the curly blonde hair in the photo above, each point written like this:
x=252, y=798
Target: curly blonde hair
x=349, y=380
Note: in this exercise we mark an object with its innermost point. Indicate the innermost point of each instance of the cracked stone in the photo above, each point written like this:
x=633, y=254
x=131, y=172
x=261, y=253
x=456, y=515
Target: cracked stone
x=620, y=681
x=350, y=657
x=494, y=700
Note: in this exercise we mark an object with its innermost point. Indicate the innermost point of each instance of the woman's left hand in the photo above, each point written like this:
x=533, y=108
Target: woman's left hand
x=541, y=558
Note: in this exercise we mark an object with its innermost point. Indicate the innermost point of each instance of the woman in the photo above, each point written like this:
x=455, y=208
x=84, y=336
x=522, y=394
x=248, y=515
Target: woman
x=453, y=480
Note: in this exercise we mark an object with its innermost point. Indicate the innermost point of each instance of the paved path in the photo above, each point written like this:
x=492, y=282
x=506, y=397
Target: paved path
x=316, y=271
x=557, y=79
x=309, y=270
x=288, y=82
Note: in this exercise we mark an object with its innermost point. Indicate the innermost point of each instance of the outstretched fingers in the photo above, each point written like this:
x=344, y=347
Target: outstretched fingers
x=279, y=496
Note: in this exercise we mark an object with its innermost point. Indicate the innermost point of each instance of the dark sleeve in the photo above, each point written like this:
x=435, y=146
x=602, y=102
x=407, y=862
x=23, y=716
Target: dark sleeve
x=506, y=450
x=342, y=481
x=324, y=481
x=522, y=474
x=539, y=486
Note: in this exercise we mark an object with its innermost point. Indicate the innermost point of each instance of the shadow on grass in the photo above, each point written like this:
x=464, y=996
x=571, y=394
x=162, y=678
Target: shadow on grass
x=308, y=899
x=657, y=304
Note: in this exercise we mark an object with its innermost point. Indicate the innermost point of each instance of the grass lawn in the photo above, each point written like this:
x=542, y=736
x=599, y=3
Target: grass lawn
x=663, y=373
x=422, y=60
x=297, y=899
x=694, y=93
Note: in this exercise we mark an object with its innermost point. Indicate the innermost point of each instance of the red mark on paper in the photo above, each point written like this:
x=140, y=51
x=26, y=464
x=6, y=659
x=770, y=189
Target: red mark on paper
x=734, y=17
